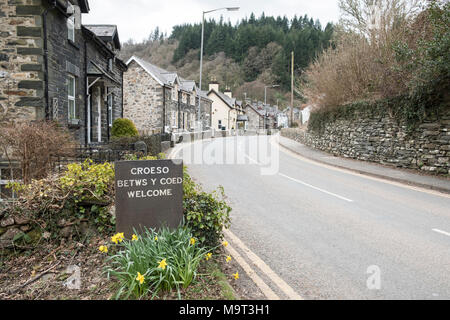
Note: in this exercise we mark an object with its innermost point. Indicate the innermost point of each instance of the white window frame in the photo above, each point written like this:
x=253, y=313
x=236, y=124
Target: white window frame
x=110, y=108
x=71, y=26
x=72, y=98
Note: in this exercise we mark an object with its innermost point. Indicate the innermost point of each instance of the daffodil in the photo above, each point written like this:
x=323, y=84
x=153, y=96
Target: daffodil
x=114, y=239
x=117, y=238
x=103, y=249
x=156, y=238
x=134, y=238
x=140, y=278
x=192, y=241
x=225, y=243
x=236, y=276
x=162, y=264
x=208, y=256
x=228, y=259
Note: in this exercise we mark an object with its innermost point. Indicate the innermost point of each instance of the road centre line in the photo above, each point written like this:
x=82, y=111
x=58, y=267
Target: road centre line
x=442, y=232
x=316, y=188
x=284, y=287
x=360, y=175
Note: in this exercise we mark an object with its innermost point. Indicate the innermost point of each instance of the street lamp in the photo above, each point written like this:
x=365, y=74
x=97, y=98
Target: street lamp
x=265, y=91
x=201, y=54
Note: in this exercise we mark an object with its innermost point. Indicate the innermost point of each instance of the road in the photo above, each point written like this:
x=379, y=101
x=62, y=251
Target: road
x=331, y=234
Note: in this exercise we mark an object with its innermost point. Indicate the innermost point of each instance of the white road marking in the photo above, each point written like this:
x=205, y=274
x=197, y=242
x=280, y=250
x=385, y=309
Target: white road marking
x=265, y=289
x=287, y=290
x=316, y=188
x=442, y=232
x=361, y=175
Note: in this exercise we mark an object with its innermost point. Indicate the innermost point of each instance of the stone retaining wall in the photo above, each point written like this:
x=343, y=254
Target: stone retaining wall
x=380, y=138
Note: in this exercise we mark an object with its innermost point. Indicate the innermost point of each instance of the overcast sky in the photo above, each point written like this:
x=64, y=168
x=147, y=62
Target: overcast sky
x=136, y=18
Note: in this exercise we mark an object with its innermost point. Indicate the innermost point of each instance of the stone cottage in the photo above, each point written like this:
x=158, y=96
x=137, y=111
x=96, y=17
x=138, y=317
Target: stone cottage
x=256, y=116
x=53, y=67
x=157, y=100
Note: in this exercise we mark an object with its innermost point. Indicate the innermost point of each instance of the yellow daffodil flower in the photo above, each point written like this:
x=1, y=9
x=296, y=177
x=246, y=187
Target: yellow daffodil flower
x=140, y=278
x=162, y=264
x=208, y=256
x=192, y=241
x=114, y=239
x=225, y=243
x=103, y=249
x=156, y=238
x=228, y=259
x=134, y=238
x=236, y=276
x=117, y=238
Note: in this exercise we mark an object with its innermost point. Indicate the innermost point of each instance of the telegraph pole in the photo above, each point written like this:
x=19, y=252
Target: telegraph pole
x=292, y=88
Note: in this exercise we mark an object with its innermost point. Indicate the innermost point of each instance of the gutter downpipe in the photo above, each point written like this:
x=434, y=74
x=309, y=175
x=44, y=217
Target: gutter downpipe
x=46, y=81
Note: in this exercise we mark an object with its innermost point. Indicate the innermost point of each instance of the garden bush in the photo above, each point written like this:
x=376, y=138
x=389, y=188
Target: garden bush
x=207, y=214
x=35, y=146
x=82, y=192
x=123, y=128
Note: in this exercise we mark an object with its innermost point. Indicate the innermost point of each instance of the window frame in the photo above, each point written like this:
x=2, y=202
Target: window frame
x=71, y=98
x=71, y=26
x=110, y=102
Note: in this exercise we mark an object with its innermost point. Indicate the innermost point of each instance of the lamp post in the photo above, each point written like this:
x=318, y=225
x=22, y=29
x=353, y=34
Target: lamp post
x=201, y=56
x=265, y=91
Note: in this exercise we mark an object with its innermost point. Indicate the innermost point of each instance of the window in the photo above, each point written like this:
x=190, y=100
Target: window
x=173, y=94
x=71, y=25
x=193, y=99
x=71, y=97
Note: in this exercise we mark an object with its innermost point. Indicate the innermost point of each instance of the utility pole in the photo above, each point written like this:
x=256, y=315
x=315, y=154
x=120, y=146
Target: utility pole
x=292, y=88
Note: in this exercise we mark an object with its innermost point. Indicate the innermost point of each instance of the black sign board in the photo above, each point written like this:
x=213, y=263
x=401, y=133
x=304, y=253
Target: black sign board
x=148, y=194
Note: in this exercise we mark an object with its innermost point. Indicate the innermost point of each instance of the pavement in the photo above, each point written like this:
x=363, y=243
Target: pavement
x=372, y=169
x=315, y=231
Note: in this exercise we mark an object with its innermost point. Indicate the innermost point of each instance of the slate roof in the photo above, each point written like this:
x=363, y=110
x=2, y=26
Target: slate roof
x=168, y=78
x=106, y=32
x=163, y=77
x=231, y=102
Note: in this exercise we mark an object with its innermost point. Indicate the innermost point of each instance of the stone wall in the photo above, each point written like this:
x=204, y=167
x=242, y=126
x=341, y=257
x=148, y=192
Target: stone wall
x=381, y=139
x=21, y=77
x=143, y=99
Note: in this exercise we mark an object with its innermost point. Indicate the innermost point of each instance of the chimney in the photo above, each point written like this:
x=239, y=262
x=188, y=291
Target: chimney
x=214, y=85
x=228, y=92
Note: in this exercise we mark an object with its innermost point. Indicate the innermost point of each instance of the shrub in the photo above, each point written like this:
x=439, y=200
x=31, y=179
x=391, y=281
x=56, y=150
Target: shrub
x=82, y=192
x=207, y=214
x=123, y=128
x=145, y=255
x=403, y=54
x=36, y=146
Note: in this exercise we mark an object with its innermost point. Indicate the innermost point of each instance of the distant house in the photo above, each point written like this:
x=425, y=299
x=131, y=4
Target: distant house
x=282, y=120
x=225, y=108
x=256, y=116
x=56, y=68
x=157, y=100
x=296, y=114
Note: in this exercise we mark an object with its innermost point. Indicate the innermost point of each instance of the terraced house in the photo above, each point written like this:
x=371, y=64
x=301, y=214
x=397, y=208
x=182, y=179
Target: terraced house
x=157, y=100
x=54, y=67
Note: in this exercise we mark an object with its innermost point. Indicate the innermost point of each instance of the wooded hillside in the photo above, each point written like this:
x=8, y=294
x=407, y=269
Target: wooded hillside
x=245, y=57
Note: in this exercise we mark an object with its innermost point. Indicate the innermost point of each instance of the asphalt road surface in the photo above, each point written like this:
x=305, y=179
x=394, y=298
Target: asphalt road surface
x=327, y=233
